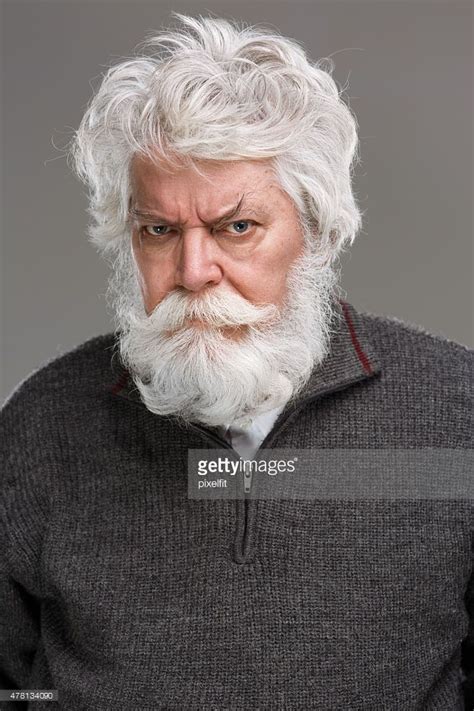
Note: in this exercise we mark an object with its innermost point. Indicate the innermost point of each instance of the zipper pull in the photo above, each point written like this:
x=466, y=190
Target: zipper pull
x=247, y=477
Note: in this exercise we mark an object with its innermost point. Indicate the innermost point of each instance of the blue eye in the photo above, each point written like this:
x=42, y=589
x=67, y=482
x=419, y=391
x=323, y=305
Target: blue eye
x=241, y=226
x=150, y=229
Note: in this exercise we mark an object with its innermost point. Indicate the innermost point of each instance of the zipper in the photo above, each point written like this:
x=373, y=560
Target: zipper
x=245, y=515
x=248, y=473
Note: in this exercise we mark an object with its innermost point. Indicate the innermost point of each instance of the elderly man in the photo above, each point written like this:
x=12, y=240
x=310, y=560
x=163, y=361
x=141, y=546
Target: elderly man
x=219, y=168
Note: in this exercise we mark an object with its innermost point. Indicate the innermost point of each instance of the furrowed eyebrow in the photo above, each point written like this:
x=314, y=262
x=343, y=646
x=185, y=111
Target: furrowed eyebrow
x=229, y=214
x=251, y=209
x=146, y=215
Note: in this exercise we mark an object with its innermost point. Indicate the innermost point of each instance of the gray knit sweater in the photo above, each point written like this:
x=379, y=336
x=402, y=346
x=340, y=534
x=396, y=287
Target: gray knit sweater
x=121, y=592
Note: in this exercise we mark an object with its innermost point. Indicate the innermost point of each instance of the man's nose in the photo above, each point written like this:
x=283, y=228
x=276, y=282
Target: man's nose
x=197, y=266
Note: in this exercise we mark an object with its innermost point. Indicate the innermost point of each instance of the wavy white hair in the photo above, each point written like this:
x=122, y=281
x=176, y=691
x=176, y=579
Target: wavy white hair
x=212, y=89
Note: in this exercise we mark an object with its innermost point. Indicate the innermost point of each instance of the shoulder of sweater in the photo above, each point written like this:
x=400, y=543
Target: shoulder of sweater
x=404, y=344
x=35, y=425
x=78, y=373
x=425, y=384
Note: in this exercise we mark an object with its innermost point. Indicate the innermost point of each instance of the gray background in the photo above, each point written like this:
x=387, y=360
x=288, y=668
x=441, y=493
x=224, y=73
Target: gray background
x=409, y=71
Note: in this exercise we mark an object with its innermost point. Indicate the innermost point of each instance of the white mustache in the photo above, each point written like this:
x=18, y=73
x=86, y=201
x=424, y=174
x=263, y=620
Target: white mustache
x=218, y=309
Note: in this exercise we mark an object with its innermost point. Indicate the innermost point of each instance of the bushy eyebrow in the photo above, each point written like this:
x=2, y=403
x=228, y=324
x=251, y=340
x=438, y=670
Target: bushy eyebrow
x=250, y=208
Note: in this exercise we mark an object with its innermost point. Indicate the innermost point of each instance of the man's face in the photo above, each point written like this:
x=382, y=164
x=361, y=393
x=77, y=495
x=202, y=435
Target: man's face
x=230, y=229
x=222, y=308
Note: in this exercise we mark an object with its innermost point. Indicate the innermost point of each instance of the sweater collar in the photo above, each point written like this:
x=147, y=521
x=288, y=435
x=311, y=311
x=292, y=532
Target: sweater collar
x=351, y=359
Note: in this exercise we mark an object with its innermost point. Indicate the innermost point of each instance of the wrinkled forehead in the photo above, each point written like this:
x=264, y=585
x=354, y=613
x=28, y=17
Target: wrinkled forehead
x=216, y=182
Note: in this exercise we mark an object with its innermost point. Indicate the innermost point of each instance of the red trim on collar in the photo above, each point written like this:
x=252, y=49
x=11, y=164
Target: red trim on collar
x=120, y=384
x=355, y=341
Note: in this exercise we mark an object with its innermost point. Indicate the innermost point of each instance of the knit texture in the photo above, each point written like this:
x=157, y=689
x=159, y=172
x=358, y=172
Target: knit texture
x=122, y=593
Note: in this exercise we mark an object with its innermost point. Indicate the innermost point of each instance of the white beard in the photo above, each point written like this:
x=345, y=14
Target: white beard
x=199, y=373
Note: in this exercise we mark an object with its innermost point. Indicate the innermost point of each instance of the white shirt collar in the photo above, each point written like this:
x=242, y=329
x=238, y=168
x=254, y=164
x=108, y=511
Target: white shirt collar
x=247, y=440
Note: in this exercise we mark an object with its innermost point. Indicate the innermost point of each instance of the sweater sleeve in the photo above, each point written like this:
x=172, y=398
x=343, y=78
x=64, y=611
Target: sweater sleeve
x=19, y=627
x=23, y=514
x=468, y=649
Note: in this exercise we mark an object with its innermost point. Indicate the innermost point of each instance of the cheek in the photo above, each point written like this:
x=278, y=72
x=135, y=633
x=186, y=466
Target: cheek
x=283, y=253
x=266, y=279
x=272, y=281
x=152, y=277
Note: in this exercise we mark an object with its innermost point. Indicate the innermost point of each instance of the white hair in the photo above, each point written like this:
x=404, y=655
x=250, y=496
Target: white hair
x=214, y=90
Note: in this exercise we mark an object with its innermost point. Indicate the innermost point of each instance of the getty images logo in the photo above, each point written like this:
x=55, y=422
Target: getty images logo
x=224, y=465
